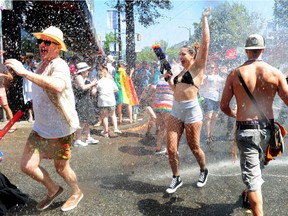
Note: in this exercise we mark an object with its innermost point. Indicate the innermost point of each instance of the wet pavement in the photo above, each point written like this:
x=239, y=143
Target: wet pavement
x=121, y=175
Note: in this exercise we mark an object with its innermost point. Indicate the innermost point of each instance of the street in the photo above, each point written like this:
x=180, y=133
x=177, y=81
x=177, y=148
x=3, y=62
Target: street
x=122, y=176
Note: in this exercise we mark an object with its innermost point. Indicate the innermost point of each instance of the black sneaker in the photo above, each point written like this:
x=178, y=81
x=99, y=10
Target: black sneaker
x=245, y=200
x=202, y=178
x=175, y=184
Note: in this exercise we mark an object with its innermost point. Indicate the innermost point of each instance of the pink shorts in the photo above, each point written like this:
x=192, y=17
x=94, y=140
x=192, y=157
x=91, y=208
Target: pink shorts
x=3, y=97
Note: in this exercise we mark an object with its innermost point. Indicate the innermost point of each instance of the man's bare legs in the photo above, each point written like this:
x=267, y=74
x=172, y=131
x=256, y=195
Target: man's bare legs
x=64, y=170
x=30, y=165
x=256, y=202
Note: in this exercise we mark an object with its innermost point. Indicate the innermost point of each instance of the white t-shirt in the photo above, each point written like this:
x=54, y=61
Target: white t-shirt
x=111, y=69
x=212, y=87
x=49, y=122
x=106, y=89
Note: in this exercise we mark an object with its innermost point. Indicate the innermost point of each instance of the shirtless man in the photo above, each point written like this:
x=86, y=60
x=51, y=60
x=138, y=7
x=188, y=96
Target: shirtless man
x=253, y=134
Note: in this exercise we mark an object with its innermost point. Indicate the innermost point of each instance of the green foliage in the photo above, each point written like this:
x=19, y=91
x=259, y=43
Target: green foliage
x=229, y=24
x=281, y=13
x=147, y=54
x=172, y=53
x=148, y=10
x=110, y=37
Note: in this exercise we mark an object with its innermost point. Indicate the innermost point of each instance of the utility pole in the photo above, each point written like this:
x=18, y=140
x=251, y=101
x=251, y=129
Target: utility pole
x=119, y=30
x=189, y=29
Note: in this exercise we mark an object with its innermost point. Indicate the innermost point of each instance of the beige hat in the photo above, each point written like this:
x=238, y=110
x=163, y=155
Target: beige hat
x=82, y=66
x=255, y=41
x=110, y=58
x=54, y=33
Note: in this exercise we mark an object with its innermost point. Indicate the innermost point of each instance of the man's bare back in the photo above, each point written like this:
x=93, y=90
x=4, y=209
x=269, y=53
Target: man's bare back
x=263, y=81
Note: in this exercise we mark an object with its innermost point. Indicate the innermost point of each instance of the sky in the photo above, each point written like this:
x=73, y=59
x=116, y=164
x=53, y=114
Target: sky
x=175, y=24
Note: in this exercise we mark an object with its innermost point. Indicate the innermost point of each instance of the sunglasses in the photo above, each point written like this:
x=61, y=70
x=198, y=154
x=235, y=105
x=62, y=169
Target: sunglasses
x=46, y=42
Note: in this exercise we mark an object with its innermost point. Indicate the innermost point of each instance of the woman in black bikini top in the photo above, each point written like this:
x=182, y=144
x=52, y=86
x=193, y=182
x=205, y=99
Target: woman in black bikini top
x=186, y=114
x=186, y=78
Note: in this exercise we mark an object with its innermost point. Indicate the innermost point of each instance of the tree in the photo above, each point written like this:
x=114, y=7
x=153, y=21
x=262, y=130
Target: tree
x=278, y=49
x=109, y=38
x=147, y=55
x=148, y=12
x=130, y=34
x=230, y=24
x=281, y=13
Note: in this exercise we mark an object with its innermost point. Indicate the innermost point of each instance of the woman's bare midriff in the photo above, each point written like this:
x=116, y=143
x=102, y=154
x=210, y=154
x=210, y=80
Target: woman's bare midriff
x=185, y=92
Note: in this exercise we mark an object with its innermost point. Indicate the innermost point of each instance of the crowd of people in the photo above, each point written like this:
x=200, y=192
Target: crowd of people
x=64, y=94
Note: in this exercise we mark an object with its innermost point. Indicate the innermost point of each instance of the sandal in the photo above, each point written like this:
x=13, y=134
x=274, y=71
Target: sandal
x=11, y=130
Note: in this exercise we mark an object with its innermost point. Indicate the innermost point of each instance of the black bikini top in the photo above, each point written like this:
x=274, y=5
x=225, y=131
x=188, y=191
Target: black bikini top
x=186, y=78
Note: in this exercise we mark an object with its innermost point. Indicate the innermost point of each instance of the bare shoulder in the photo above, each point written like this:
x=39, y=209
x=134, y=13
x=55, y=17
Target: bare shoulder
x=232, y=74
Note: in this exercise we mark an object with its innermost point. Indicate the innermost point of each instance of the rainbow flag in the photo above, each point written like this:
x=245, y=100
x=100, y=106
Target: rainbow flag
x=126, y=93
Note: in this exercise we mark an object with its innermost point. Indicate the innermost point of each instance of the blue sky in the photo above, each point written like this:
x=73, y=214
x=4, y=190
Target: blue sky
x=170, y=27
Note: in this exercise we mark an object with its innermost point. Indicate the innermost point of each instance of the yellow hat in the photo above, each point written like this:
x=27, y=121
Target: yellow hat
x=54, y=33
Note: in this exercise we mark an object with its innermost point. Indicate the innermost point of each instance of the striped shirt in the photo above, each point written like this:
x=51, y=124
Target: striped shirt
x=163, y=100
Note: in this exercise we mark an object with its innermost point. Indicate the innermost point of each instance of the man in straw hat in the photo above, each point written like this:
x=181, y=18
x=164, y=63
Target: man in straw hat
x=56, y=119
x=253, y=132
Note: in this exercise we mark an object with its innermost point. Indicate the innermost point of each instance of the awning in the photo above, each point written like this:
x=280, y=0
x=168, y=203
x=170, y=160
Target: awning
x=72, y=17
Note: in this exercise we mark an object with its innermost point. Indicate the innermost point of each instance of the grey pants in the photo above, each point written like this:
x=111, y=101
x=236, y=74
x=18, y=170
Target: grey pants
x=252, y=144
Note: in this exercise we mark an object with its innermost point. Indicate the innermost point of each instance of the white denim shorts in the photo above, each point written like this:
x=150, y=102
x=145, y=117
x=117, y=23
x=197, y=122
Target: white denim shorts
x=187, y=111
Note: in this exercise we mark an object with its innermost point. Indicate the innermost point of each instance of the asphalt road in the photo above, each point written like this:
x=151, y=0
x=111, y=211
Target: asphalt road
x=122, y=176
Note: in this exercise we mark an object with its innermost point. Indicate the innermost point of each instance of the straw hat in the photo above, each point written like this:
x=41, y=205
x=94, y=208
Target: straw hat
x=82, y=66
x=54, y=33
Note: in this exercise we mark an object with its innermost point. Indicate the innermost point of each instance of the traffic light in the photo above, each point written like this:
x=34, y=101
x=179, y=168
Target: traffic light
x=138, y=37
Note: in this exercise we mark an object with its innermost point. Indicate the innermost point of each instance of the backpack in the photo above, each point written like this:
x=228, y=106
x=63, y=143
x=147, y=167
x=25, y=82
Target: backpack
x=10, y=195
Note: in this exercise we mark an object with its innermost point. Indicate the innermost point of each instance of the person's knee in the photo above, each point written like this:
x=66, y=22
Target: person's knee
x=27, y=168
x=172, y=156
x=196, y=150
x=61, y=167
x=255, y=198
